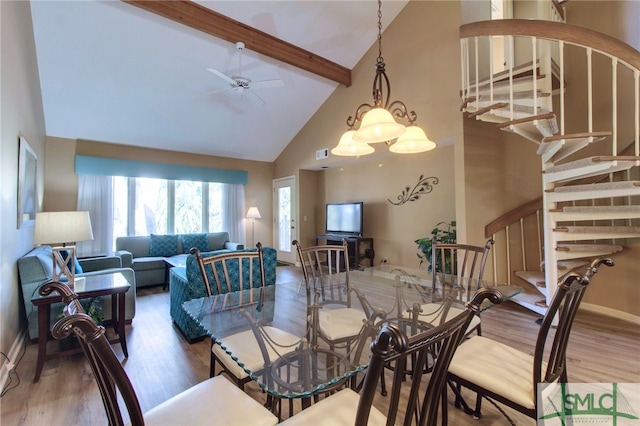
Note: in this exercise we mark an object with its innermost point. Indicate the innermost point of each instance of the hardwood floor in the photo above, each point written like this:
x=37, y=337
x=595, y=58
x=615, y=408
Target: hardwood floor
x=161, y=364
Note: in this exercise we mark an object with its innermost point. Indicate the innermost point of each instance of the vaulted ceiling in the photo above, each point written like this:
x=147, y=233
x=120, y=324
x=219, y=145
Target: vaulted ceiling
x=117, y=72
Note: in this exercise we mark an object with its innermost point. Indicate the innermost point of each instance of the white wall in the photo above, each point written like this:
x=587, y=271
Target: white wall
x=21, y=115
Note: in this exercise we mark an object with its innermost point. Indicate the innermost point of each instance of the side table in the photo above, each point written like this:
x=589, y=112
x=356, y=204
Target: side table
x=114, y=285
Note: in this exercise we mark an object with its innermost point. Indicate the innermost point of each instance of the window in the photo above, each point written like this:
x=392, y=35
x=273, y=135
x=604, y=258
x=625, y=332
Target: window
x=144, y=206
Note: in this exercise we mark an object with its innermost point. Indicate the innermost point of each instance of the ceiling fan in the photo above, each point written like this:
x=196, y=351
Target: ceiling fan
x=240, y=84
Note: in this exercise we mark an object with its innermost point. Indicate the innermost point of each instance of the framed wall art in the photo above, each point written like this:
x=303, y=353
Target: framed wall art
x=27, y=196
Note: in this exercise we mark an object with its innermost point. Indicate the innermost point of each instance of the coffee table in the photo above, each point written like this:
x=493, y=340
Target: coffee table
x=114, y=285
x=303, y=370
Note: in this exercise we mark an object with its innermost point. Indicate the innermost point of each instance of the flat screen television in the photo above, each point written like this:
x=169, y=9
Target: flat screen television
x=344, y=218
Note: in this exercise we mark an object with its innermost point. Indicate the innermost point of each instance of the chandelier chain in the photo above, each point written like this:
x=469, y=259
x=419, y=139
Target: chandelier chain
x=380, y=60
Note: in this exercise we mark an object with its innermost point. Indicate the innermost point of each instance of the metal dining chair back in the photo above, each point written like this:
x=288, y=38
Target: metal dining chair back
x=232, y=271
x=425, y=400
x=325, y=270
x=512, y=377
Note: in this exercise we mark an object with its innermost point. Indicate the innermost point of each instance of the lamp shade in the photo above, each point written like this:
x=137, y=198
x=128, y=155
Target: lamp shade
x=253, y=213
x=348, y=147
x=378, y=125
x=412, y=141
x=62, y=227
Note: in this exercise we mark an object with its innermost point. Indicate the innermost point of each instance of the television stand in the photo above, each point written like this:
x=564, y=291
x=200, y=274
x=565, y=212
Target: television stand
x=358, y=248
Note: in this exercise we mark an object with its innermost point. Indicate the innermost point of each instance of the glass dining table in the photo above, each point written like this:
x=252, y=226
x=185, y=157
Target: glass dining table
x=302, y=369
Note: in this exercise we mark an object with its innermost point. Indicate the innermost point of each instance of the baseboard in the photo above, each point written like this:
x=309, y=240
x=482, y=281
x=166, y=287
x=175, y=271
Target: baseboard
x=625, y=316
x=13, y=355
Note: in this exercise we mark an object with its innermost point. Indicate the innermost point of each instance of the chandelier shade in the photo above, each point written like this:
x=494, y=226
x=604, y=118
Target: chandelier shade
x=412, y=141
x=378, y=125
x=349, y=147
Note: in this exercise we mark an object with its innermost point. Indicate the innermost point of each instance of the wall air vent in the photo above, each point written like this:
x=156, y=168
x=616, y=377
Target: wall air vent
x=322, y=153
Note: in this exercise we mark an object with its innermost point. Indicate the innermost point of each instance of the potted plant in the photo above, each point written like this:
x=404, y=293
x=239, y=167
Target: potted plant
x=442, y=233
x=93, y=308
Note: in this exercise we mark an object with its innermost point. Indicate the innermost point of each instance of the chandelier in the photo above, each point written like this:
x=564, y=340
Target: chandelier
x=378, y=121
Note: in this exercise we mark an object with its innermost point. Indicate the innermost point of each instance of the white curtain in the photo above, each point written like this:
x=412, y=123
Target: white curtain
x=233, y=211
x=95, y=195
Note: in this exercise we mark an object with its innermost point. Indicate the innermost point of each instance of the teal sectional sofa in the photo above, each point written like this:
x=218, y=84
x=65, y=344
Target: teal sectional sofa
x=186, y=283
x=36, y=268
x=146, y=254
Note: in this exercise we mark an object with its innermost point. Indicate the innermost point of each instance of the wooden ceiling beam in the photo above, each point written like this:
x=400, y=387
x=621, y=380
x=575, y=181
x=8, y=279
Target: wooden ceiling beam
x=213, y=23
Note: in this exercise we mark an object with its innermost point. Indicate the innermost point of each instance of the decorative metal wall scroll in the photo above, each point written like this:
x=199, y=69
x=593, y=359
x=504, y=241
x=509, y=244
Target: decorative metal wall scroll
x=424, y=186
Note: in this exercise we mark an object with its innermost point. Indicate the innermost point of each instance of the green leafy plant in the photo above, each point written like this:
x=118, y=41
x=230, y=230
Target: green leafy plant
x=442, y=233
x=92, y=307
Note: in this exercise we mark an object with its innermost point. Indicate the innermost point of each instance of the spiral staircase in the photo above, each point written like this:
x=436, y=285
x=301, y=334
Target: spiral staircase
x=590, y=202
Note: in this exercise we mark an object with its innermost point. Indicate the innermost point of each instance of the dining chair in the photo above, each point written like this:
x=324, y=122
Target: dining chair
x=325, y=270
x=235, y=271
x=513, y=377
x=426, y=396
x=462, y=263
x=225, y=404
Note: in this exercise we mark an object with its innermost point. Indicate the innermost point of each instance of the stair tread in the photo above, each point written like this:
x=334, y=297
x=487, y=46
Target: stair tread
x=599, y=159
x=488, y=108
x=523, y=94
x=563, y=146
x=606, y=186
x=588, y=210
x=575, y=136
x=612, y=248
x=546, y=116
x=535, y=278
x=599, y=229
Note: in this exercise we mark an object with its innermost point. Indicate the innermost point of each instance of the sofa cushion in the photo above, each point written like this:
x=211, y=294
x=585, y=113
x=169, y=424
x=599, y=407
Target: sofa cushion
x=199, y=241
x=163, y=245
x=217, y=240
x=148, y=263
x=77, y=267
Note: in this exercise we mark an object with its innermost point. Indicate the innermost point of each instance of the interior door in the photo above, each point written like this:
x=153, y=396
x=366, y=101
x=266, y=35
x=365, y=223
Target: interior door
x=285, y=228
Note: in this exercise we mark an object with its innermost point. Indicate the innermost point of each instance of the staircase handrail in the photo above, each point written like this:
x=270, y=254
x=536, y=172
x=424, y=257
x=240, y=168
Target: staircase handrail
x=573, y=34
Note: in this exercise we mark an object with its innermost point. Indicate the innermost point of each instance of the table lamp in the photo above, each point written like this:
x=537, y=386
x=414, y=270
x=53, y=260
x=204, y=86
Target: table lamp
x=253, y=213
x=62, y=230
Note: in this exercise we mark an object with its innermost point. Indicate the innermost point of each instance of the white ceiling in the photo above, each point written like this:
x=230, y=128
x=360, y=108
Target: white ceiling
x=112, y=72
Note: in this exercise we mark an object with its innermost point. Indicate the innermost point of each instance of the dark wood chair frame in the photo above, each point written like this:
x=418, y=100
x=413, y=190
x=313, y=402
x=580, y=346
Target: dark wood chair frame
x=103, y=361
x=565, y=304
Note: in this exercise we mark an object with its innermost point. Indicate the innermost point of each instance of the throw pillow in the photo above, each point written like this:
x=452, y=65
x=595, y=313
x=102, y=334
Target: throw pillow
x=198, y=241
x=163, y=245
x=78, y=268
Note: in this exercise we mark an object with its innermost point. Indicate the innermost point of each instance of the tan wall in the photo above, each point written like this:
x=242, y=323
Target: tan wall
x=421, y=51
x=61, y=190
x=22, y=115
x=396, y=227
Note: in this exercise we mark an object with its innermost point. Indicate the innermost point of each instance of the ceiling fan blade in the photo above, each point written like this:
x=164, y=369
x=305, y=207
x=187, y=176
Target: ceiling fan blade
x=265, y=84
x=222, y=76
x=258, y=96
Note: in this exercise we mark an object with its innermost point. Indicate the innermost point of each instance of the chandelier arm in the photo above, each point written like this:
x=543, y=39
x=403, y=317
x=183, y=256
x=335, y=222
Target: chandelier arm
x=357, y=117
x=399, y=110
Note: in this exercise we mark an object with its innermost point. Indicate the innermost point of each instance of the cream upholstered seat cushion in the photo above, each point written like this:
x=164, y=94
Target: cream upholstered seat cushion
x=335, y=410
x=191, y=407
x=496, y=367
x=244, y=346
x=340, y=323
x=431, y=314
